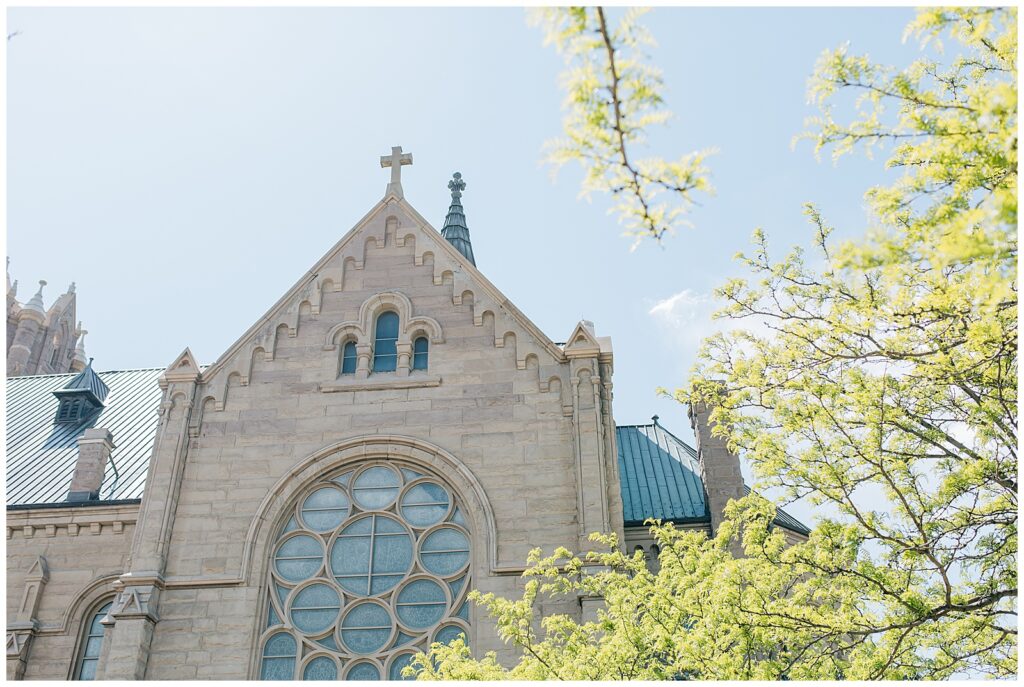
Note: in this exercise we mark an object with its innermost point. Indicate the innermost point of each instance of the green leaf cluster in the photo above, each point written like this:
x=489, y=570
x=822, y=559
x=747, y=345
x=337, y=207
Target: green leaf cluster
x=613, y=96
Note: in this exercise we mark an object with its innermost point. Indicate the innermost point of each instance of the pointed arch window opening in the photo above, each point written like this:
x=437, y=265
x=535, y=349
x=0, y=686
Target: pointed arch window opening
x=92, y=644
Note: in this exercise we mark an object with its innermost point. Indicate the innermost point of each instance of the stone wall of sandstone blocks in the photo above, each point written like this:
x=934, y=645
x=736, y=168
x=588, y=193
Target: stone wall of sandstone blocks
x=84, y=550
x=490, y=410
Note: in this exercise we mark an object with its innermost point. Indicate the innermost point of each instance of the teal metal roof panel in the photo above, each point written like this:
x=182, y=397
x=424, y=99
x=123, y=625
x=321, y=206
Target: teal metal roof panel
x=659, y=476
x=41, y=455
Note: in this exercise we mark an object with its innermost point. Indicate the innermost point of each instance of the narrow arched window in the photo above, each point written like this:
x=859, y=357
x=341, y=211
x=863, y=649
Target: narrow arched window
x=348, y=358
x=92, y=642
x=385, y=349
x=419, y=353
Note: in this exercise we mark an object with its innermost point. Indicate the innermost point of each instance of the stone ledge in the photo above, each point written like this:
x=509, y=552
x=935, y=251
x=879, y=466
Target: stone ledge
x=380, y=384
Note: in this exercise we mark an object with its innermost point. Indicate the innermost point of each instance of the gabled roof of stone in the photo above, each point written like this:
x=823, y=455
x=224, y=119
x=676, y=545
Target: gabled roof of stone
x=440, y=245
x=41, y=456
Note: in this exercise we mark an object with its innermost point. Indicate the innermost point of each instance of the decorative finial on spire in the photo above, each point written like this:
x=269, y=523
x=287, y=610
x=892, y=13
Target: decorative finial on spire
x=457, y=185
x=79, y=356
x=455, y=229
x=71, y=289
x=655, y=418
x=395, y=161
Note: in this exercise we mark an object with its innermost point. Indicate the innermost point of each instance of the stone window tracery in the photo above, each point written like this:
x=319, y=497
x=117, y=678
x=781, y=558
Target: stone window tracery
x=371, y=566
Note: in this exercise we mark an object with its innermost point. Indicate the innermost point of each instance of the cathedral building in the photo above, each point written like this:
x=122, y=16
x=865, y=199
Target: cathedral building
x=318, y=502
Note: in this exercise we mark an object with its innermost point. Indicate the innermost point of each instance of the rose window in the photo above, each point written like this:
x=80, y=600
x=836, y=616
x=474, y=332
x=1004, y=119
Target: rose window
x=371, y=567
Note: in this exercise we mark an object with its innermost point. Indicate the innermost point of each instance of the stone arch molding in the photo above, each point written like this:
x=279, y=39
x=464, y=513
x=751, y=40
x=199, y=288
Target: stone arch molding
x=271, y=511
x=361, y=328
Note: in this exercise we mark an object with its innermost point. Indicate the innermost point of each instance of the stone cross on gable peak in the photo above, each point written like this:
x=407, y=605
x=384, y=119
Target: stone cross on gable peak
x=395, y=161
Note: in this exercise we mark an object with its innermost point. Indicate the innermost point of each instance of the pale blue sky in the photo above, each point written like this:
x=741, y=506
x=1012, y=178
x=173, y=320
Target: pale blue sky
x=186, y=166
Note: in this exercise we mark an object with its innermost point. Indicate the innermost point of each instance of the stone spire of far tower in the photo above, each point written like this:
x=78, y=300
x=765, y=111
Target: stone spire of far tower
x=455, y=229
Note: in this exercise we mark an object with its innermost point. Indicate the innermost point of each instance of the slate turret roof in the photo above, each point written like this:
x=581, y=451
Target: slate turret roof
x=455, y=230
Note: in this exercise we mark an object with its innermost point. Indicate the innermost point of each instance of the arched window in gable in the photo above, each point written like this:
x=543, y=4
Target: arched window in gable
x=348, y=358
x=385, y=340
x=419, y=353
x=92, y=643
x=371, y=566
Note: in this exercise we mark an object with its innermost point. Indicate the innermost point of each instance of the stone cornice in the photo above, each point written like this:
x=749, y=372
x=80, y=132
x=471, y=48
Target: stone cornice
x=80, y=521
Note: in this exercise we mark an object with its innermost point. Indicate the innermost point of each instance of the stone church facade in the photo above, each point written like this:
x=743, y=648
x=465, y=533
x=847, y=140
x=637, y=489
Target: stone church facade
x=317, y=503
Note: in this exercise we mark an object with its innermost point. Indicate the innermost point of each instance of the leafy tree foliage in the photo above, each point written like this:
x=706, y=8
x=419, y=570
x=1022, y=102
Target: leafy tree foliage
x=879, y=384
x=612, y=97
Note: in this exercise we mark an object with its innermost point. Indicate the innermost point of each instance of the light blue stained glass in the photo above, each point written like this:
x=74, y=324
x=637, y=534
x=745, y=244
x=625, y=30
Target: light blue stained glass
x=363, y=671
x=289, y=526
x=299, y=558
x=315, y=608
x=282, y=593
x=401, y=639
x=449, y=633
x=376, y=488
x=366, y=628
x=419, y=353
x=456, y=586
x=397, y=665
x=87, y=670
x=463, y=611
x=425, y=504
x=320, y=668
x=343, y=480
x=420, y=604
x=278, y=657
x=327, y=642
x=410, y=475
x=458, y=518
x=385, y=350
x=272, y=618
x=92, y=645
x=444, y=551
x=325, y=509
x=377, y=538
x=348, y=358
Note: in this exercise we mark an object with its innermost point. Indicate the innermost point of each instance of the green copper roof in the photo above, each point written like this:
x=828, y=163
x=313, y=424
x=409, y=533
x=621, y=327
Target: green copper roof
x=455, y=230
x=659, y=476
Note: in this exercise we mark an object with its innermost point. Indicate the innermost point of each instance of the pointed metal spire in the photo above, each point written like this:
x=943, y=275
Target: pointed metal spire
x=455, y=230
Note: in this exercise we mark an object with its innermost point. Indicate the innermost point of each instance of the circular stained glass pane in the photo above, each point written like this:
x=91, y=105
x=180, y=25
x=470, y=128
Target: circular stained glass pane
x=398, y=665
x=320, y=668
x=315, y=608
x=444, y=551
x=299, y=557
x=371, y=555
x=366, y=628
x=420, y=604
x=449, y=633
x=376, y=488
x=425, y=504
x=325, y=509
x=363, y=671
